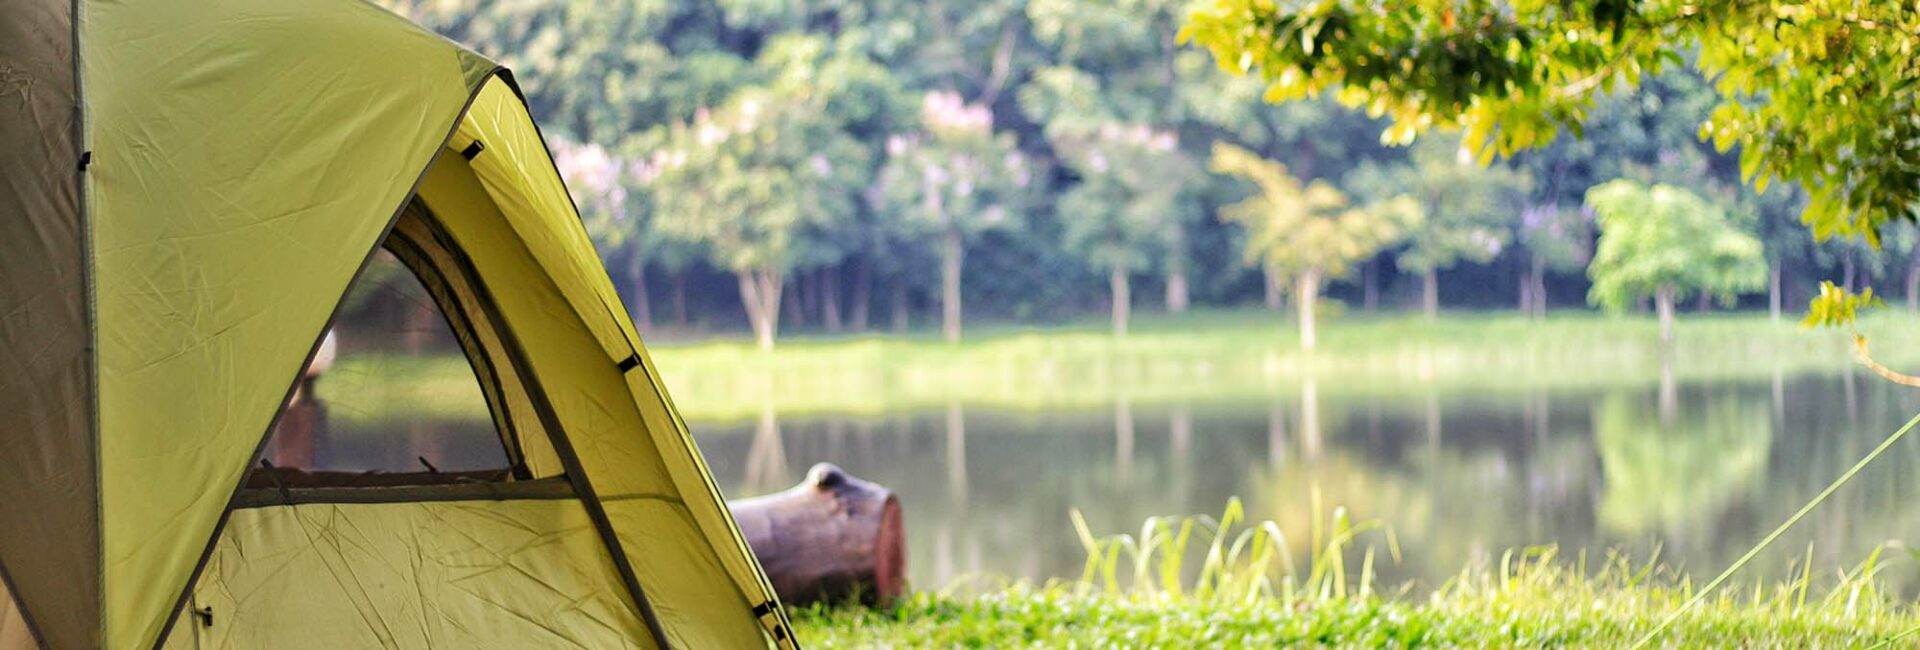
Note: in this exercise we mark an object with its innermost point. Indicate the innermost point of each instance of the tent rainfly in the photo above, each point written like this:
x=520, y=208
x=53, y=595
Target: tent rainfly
x=190, y=190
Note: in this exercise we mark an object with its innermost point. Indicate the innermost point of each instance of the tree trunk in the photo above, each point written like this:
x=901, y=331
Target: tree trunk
x=1913, y=281
x=862, y=294
x=1430, y=293
x=951, y=252
x=1705, y=303
x=830, y=538
x=898, y=306
x=642, y=311
x=1773, y=291
x=808, y=286
x=1305, y=296
x=1663, y=304
x=830, y=298
x=1539, y=287
x=1177, y=290
x=1846, y=270
x=1370, y=293
x=796, y=303
x=680, y=298
x=1122, y=298
x=1270, y=277
x=1178, y=298
x=760, y=292
x=1526, y=291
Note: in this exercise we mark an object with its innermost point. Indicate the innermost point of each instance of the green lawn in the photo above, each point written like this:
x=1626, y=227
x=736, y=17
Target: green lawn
x=1210, y=356
x=1179, y=584
x=1603, y=618
x=1247, y=356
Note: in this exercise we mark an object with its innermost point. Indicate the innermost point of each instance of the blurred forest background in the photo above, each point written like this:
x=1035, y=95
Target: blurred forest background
x=846, y=166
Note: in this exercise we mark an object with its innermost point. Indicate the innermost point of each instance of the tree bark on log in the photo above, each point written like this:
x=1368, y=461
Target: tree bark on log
x=832, y=538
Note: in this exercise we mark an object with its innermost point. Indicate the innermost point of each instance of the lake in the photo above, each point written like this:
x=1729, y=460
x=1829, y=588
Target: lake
x=1459, y=476
x=1465, y=438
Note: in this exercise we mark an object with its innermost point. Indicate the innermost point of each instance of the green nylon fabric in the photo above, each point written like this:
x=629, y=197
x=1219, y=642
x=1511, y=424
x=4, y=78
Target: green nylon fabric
x=247, y=155
x=518, y=175
x=49, y=522
x=411, y=576
x=678, y=567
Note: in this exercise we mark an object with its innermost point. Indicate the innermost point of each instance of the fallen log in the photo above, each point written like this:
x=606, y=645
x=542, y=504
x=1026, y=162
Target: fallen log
x=833, y=537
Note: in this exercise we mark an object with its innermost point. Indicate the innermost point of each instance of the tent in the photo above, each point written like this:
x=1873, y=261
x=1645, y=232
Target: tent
x=190, y=191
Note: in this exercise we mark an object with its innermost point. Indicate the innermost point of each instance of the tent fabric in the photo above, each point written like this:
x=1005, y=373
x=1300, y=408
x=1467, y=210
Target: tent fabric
x=247, y=154
x=457, y=574
x=518, y=174
x=158, y=302
x=14, y=634
x=589, y=398
x=47, y=465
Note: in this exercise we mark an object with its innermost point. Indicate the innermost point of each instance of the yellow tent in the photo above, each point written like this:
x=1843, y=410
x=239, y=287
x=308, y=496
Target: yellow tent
x=189, y=190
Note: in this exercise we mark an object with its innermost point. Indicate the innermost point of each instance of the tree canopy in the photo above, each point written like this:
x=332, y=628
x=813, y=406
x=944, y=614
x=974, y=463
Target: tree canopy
x=1468, y=209
x=949, y=182
x=753, y=181
x=1661, y=241
x=624, y=87
x=1817, y=92
x=1306, y=232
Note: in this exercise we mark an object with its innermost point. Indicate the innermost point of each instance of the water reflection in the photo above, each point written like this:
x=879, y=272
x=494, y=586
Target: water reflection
x=1670, y=475
x=1700, y=470
x=957, y=455
x=766, y=462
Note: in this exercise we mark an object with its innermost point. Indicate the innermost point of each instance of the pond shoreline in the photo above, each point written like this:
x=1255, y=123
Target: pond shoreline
x=1247, y=356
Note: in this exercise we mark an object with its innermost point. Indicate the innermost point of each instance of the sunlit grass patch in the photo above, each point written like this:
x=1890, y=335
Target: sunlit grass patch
x=1141, y=590
x=1245, y=356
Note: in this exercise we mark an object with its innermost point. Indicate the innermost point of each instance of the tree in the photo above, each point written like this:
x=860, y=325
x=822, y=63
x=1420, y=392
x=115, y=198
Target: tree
x=1120, y=62
x=1468, y=210
x=1664, y=240
x=1556, y=239
x=1310, y=232
x=1819, y=93
x=952, y=181
x=758, y=182
x=1132, y=182
x=1902, y=251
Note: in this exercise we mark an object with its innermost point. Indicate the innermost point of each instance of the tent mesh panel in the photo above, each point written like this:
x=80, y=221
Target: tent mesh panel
x=391, y=391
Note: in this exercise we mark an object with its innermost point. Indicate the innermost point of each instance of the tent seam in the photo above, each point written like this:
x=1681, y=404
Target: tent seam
x=84, y=208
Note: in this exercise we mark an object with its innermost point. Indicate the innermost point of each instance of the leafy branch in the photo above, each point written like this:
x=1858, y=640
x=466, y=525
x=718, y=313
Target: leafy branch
x=1837, y=307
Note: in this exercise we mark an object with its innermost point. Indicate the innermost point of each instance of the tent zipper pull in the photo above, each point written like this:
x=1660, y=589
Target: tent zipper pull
x=205, y=614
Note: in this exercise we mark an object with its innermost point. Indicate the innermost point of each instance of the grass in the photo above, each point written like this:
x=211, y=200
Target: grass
x=1243, y=356
x=1216, y=357
x=1144, y=591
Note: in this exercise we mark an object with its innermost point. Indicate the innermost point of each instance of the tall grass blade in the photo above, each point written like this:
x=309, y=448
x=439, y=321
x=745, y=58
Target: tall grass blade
x=1777, y=532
